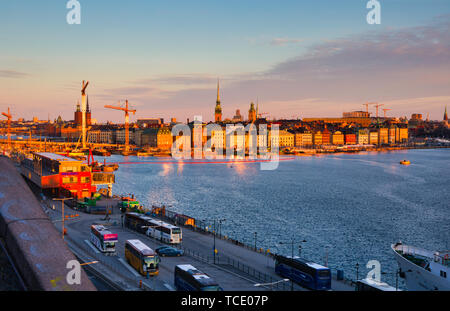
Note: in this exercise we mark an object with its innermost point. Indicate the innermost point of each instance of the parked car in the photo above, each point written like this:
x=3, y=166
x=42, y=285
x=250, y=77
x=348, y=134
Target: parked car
x=168, y=251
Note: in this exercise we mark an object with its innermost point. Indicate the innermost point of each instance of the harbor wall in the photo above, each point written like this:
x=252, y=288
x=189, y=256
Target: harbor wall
x=36, y=247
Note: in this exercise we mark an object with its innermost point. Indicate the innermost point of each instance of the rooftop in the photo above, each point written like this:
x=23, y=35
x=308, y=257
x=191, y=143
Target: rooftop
x=55, y=157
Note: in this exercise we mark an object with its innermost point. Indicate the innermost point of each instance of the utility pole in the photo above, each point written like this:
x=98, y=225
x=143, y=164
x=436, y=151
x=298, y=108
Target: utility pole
x=62, y=211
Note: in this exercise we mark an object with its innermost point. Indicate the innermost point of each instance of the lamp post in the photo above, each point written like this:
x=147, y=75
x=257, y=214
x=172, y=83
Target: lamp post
x=292, y=254
x=214, y=236
x=62, y=211
x=357, y=269
x=397, y=273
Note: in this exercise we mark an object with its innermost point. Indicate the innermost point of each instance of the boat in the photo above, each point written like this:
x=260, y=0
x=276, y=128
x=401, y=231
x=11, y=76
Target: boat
x=405, y=162
x=144, y=154
x=423, y=270
x=101, y=152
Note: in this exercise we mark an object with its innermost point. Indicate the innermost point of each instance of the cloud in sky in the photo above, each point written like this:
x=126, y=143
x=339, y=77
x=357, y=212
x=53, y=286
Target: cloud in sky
x=407, y=69
x=284, y=41
x=398, y=67
x=12, y=74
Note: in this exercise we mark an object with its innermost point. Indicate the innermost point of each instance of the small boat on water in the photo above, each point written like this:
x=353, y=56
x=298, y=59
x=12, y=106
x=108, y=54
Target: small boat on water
x=423, y=269
x=405, y=162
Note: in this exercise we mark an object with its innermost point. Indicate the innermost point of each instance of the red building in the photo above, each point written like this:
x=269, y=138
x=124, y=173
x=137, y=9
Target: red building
x=326, y=137
x=56, y=174
x=350, y=139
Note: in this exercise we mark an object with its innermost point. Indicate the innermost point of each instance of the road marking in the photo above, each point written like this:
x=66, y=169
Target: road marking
x=92, y=246
x=169, y=287
x=129, y=267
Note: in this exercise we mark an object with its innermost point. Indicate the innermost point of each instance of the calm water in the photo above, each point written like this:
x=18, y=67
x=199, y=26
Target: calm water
x=353, y=205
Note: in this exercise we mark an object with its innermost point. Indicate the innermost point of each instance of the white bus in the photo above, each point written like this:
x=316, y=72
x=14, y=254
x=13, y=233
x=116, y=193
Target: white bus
x=103, y=239
x=154, y=228
x=164, y=232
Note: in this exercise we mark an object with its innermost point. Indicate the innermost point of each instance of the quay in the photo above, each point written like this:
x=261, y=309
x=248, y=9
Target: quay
x=234, y=266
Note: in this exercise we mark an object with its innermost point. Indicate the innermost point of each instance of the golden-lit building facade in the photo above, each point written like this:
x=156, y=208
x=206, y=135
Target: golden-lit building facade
x=317, y=138
x=338, y=138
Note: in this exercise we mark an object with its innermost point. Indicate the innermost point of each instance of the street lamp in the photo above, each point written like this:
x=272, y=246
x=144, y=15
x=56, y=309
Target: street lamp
x=62, y=211
x=270, y=284
x=220, y=223
x=214, y=235
x=397, y=273
x=357, y=269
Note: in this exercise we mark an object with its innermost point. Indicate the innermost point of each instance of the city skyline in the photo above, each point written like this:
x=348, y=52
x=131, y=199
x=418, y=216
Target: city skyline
x=291, y=62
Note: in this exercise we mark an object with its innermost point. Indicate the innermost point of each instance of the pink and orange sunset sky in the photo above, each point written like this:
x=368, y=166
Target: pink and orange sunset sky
x=297, y=58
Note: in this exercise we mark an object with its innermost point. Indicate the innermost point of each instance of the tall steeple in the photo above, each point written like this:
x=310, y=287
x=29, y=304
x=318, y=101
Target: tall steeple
x=252, y=113
x=445, y=114
x=218, y=109
x=218, y=93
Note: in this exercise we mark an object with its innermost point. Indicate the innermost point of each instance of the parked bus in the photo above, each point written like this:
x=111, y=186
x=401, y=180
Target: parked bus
x=366, y=285
x=304, y=273
x=141, y=257
x=154, y=228
x=103, y=239
x=164, y=232
x=188, y=278
x=136, y=222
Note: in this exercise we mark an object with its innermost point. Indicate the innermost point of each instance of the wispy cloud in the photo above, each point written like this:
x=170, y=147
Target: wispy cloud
x=12, y=74
x=404, y=68
x=285, y=41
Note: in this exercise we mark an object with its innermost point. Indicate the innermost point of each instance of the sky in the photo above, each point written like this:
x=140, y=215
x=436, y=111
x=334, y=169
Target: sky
x=295, y=58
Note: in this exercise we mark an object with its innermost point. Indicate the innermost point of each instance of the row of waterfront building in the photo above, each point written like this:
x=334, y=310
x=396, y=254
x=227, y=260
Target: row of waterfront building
x=162, y=138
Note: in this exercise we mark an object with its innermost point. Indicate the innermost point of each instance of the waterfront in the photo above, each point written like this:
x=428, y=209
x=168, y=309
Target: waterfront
x=355, y=205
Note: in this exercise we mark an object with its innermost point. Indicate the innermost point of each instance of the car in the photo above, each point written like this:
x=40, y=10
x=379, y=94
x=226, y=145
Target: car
x=168, y=251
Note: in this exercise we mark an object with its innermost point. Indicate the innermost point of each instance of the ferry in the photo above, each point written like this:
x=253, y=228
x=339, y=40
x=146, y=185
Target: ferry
x=405, y=162
x=423, y=270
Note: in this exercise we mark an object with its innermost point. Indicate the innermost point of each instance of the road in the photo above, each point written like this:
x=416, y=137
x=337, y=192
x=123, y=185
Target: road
x=78, y=234
x=237, y=268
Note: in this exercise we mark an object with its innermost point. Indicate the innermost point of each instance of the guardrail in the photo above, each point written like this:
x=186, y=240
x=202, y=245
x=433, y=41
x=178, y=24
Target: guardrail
x=236, y=264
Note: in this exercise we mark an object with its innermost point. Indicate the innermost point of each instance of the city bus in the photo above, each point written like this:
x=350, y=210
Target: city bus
x=154, y=228
x=370, y=285
x=141, y=257
x=304, y=273
x=136, y=222
x=103, y=239
x=164, y=232
x=189, y=278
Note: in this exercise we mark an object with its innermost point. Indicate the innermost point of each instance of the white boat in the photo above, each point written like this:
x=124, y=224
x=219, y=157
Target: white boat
x=423, y=270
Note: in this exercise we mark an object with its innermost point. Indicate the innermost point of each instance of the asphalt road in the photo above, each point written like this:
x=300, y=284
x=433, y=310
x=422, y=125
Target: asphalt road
x=79, y=232
x=201, y=244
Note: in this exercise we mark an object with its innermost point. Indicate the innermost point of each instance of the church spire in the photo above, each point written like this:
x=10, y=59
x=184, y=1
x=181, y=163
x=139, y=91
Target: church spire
x=218, y=92
x=218, y=109
x=87, y=105
x=445, y=114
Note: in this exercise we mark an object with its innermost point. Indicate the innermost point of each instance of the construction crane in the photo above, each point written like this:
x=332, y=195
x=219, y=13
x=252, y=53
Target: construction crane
x=377, y=105
x=367, y=106
x=83, y=112
x=127, y=111
x=384, y=111
x=9, y=116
